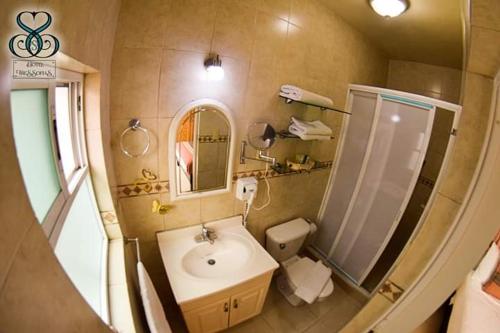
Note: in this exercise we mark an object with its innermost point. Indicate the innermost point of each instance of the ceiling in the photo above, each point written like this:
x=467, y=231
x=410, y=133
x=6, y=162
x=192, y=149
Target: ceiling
x=430, y=31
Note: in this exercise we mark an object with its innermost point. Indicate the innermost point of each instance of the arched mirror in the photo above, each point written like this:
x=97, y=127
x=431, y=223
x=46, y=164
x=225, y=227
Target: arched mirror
x=201, y=143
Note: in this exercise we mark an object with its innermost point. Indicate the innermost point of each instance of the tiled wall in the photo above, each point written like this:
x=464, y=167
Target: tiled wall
x=157, y=68
x=35, y=293
x=428, y=80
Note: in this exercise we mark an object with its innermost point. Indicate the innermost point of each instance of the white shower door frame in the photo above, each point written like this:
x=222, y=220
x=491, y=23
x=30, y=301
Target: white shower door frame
x=426, y=103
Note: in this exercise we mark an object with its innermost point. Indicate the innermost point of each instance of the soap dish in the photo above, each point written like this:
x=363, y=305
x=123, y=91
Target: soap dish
x=295, y=166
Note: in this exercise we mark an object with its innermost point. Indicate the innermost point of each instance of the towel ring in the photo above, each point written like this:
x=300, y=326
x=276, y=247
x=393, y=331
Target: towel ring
x=135, y=125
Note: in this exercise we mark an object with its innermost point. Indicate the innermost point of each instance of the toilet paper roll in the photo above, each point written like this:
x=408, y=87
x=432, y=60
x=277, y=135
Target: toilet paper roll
x=312, y=228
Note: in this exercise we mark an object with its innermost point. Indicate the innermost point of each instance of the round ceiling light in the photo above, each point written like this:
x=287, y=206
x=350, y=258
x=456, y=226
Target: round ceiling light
x=389, y=8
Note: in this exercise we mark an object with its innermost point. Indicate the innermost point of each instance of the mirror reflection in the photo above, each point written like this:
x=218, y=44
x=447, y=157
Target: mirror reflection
x=202, y=150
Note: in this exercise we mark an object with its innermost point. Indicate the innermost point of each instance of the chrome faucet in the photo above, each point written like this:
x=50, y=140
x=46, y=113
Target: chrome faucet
x=207, y=235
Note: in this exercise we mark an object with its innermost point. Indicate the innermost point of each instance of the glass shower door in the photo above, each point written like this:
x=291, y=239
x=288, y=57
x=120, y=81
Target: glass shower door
x=356, y=139
x=395, y=155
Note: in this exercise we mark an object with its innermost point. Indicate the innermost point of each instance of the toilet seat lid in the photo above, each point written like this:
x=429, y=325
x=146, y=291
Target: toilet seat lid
x=297, y=271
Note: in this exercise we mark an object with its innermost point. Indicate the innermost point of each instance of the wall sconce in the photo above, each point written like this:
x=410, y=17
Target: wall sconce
x=389, y=8
x=213, y=66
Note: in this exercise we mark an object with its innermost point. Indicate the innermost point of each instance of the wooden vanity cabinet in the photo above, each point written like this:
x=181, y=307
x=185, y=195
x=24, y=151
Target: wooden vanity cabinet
x=228, y=307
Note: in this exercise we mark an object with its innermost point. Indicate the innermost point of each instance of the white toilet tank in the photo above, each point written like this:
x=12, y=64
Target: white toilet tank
x=285, y=240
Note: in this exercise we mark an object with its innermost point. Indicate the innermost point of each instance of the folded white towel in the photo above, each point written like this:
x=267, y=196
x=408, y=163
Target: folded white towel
x=313, y=283
x=306, y=137
x=298, y=94
x=311, y=127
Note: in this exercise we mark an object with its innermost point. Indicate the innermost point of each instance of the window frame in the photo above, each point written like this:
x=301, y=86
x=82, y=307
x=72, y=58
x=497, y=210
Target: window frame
x=51, y=224
x=74, y=123
x=54, y=220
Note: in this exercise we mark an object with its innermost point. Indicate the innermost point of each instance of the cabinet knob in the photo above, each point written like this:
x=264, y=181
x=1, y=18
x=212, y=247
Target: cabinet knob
x=226, y=307
x=235, y=304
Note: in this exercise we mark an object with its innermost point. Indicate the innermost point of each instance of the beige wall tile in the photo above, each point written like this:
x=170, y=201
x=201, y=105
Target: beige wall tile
x=292, y=63
x=234, y=29
x=183, y=213
x=190, y=25
x=217, y=207
x=35, y=278
x=428, y=80
x=72, y=32
x=486, y=14
x=278, y=8
x=151, y=258
x=140, y=220
x=135, y=82
x=17, y=215
x=484, y=56
x=163, y=132
x=302, y=13
x=106, y=13
x=142, y=23
x=100, y=180
x=469, y=140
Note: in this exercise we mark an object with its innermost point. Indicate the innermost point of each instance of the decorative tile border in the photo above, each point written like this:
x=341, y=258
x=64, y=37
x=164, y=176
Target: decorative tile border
x=259, y=174
x=391, y=291
x=145, y=188
x=109, y=217
x=213, y=139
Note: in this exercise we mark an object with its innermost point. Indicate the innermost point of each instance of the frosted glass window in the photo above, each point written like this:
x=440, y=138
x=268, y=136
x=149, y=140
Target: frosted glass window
x=64, y=126
x=81, y=248
x=30, y=121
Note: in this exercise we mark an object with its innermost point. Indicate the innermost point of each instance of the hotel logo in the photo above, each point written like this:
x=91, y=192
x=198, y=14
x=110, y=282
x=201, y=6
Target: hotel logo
x=31, y=44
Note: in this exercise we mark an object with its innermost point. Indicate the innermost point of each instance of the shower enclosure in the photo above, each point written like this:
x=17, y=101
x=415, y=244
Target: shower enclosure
x=380, y=159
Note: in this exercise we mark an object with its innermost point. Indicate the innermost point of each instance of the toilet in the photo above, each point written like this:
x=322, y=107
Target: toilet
x=283, y=242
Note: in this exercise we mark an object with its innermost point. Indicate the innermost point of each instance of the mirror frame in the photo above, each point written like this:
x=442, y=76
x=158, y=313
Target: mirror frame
x=172, y=134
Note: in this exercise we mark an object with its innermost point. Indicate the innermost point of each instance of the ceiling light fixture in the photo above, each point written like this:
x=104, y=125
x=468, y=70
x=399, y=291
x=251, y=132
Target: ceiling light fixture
x=213, y=66
x=389, y=8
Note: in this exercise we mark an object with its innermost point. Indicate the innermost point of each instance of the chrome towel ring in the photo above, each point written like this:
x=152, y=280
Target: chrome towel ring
x=135, y=125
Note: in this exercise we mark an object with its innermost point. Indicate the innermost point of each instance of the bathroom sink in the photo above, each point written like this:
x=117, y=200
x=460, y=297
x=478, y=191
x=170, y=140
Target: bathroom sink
x=228, y=254
x=197, y=269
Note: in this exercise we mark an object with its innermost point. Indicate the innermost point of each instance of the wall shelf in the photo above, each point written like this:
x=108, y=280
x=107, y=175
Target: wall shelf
x=284, y=134
x=290, y=101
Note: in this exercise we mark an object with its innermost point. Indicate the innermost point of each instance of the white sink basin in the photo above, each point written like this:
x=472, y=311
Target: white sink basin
x=199, y=269
x=228, y=254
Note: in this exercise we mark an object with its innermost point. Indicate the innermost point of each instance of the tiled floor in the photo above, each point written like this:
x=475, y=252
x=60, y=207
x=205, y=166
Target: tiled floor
x=321, y=317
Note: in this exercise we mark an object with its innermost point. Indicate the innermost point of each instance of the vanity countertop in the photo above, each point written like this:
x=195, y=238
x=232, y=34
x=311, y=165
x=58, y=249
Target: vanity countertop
x=198, y=269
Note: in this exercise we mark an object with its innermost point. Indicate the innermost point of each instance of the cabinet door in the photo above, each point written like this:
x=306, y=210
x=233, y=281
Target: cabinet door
x=247, y=304
x=213, y=317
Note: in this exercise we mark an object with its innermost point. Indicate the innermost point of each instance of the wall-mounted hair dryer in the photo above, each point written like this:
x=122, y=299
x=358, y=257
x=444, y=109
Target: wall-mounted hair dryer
x=246, y=190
